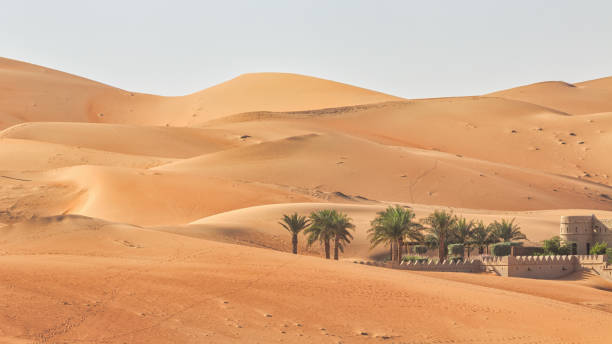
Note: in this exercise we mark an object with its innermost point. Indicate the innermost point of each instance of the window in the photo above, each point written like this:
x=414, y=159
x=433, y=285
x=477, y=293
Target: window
x=588, y=248
x=574, y=248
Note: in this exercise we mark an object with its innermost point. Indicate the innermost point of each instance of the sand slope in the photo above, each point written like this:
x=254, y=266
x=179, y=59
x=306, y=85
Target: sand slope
x=37, y=156
x=122, y=284
x=144, y=197
x=126, y=139
x=324, y=164
x=491, y=129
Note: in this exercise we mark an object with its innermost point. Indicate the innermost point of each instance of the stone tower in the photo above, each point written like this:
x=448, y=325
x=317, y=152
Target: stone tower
x=584, y=231
x=579, y=231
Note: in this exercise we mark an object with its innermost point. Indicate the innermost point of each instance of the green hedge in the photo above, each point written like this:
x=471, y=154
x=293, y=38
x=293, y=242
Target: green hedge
x=456, y=250
x=556, y=246
x=420, y=249
x=503, y=248
x=415, y=259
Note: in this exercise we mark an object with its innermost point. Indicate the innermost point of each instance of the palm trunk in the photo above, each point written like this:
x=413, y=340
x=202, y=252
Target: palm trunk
x=294, y=242
x=441, y=251
x=327, y=249
x=392, y=251
x=336, y=247
x=400, y=248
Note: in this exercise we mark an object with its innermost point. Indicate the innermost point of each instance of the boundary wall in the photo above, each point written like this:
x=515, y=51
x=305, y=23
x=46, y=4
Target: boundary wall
x=541, y=267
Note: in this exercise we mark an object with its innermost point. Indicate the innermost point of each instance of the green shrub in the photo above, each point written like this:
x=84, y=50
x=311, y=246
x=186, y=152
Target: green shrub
x=609, y=251
x=456, y=250
x=503, y=248
x=599, y=248
x=554, y=246
x=532, y=251
x=413, y=259
x=420, y=249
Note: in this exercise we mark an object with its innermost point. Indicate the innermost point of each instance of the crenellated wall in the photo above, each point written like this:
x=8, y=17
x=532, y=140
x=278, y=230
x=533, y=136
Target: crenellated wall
x=540, y=267
x=606, y=272
x=497, y=265
x=544, y=267
x=446, y=266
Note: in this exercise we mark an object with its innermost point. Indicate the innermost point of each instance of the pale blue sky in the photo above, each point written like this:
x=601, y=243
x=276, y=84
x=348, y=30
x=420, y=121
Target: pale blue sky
x=411, y=49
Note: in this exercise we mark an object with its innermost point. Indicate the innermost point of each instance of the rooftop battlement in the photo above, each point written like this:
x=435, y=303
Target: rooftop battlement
x=522, y=260
x=577, y=219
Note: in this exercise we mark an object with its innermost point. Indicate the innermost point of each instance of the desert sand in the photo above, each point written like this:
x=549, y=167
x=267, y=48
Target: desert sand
x=136, y=218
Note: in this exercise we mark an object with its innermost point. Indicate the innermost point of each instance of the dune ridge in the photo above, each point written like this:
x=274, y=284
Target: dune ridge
x=578, y=99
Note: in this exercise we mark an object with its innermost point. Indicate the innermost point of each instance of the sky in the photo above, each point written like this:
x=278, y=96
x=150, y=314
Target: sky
x=412, y=49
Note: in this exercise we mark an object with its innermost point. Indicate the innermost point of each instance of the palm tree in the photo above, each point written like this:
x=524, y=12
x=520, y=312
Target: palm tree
x=294, y=223
x=341, y=225
x=507, y=230
x=462, y=231
x=493, y=236
x=480, y=236
x=321, y=229
x=413, y=233
x=393, y=226
x=440, y=226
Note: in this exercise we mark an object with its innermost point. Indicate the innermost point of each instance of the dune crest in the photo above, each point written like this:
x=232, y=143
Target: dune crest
x=578, y=99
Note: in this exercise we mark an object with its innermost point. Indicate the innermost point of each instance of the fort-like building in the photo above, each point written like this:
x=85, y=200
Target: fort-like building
x=581, y=231
x=584, y=231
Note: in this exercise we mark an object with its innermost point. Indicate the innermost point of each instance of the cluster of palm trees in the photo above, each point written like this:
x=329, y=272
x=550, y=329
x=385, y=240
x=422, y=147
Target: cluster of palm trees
x=323, y=226
x=398, y=228
x=444, y=228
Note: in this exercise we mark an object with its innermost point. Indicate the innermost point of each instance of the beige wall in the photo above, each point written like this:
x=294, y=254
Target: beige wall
x=542, y=267
x=546, y=267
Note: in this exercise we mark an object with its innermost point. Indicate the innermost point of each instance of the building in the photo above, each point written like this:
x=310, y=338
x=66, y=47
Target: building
x=584, y=231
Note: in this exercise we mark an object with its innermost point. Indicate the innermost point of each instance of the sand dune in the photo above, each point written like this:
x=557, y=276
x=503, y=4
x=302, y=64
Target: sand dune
x=164, y=288
x=41, y=156
x=127, y=217
x=127, y=139
x=495, y=130
x=282, y=92
x=576, y=99
x=144, y=197
x=491, y=129
x=321, y=164
x=602, y=84
x=73, y=99
x=34, y=93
